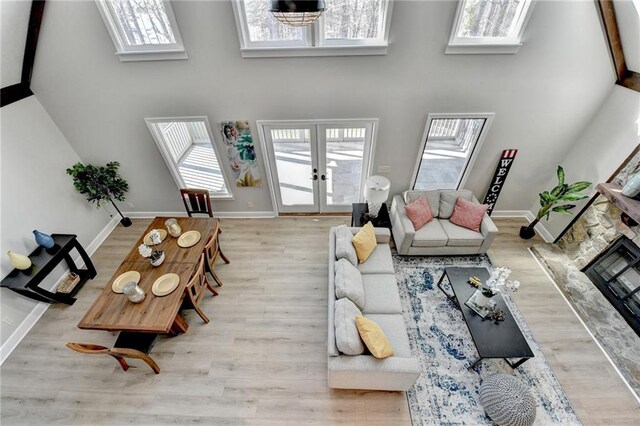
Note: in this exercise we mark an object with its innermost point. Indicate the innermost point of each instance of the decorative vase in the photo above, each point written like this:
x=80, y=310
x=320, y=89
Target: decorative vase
x=158, y=261
x=527, y=232
x=19, y=261
x=133, y=292
x=480, y=299
x=46, y=241
x=173, y=227
x=632, y=188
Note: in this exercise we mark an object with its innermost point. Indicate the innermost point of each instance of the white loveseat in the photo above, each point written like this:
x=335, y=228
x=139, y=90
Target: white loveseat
x=440, y=236
x=382, y=305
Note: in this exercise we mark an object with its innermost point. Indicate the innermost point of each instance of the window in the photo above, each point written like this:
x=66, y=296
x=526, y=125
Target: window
x=190, y=153
x=489, y=26
x=347, y=27
x=142, y=30
x=449, y=147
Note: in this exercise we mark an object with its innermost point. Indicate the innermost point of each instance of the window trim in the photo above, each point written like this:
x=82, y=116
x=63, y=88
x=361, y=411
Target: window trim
x=488, y=116
x=168, y=159
x=488, y=45
x=128, y=53
x=314, y=43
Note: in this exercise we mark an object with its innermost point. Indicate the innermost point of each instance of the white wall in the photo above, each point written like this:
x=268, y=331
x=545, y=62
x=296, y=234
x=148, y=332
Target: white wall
x=36, y=193
x=542, y=96
x=14, y=19
x=609, y=138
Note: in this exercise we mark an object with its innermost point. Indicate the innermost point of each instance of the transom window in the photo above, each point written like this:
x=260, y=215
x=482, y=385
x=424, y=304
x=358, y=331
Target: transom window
x=188, y=148
x=489, y=26
x=142, y=29
x=347, y=27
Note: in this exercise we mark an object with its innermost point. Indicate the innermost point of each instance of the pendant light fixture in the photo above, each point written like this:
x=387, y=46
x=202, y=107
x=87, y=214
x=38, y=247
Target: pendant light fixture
x=297, y=13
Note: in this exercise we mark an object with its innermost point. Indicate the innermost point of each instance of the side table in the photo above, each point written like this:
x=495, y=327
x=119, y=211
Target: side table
x=358, y=216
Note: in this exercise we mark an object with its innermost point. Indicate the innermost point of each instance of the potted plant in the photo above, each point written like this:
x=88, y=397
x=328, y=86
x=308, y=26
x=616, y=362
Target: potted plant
x=100, y=183
x=549, y=200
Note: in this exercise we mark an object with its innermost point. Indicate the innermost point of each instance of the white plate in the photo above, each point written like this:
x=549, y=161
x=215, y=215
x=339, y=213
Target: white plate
x=189, y=239
x=124, y=278
x=165, y=284
x=147, y=238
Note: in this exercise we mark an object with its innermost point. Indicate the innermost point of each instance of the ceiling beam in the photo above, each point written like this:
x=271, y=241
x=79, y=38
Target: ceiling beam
x=16, y=92
x=624, y=76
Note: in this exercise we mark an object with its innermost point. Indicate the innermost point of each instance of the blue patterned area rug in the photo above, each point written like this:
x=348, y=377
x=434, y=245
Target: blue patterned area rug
x=447, y=392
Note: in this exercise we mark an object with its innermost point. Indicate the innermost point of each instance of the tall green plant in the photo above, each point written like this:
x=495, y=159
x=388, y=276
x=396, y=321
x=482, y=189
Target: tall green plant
x=560, y=200
x=99, y=183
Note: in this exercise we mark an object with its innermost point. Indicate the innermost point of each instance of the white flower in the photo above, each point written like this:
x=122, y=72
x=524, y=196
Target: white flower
x=144, y=250
x=154, y=236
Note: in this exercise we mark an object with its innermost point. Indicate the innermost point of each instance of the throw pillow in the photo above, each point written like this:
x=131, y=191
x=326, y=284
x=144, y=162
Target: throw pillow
x=347, y=337
x=344, y=246
x=419, y=212
x=348, y=282
x=448, y=200
x=468, y=214
x=365, y=242
x=374, y=338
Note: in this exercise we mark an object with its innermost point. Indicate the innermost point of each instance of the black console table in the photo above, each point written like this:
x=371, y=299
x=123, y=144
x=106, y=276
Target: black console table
x=44, y=261
x=359, y=216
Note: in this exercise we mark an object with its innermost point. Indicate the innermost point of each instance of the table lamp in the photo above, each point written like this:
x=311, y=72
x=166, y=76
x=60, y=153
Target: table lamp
x=376, y=192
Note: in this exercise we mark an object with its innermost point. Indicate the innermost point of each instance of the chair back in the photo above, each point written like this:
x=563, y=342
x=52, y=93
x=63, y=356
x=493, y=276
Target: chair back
x=212, y=248
x=196, y=201
x=196, y=286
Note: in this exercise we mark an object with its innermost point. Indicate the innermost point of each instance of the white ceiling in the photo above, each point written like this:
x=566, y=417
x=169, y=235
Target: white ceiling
x=14, y=19
x=628, y=17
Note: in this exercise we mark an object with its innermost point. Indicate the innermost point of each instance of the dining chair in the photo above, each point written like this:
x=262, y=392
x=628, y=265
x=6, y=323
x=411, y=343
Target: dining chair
x=196, y=201
x=128, y=345
x=212, y=251
x=196, y=287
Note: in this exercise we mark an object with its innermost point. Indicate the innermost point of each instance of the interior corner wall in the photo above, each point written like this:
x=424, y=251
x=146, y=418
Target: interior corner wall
x=36, y=193
x=608, y=139
x=542, y=96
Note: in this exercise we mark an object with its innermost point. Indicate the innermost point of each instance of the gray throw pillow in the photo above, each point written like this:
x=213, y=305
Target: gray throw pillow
x=348, y=338
x=344, y=246
x=348, y=283
x=448, y=200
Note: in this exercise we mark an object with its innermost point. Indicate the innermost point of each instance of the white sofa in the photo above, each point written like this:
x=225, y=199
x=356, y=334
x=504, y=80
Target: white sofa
x=440, y=236
x=382, y=305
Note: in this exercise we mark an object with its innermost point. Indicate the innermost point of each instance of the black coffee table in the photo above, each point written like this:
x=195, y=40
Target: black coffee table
x=503, y=340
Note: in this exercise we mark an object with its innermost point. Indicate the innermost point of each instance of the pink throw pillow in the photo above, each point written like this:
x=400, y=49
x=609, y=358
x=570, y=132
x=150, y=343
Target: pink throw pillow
x=468, y=214
x=419, y=212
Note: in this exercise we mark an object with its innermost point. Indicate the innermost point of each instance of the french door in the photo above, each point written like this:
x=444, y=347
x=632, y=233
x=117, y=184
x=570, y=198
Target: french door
x=320, y=166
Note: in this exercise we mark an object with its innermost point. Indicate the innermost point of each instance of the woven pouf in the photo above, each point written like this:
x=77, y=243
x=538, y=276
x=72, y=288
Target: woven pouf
x=507, y=401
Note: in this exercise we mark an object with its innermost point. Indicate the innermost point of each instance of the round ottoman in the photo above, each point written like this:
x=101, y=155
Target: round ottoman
x=507, y=401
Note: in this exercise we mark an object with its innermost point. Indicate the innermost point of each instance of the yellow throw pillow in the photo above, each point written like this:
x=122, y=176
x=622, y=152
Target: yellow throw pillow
x=373, y=336
x=365, y=242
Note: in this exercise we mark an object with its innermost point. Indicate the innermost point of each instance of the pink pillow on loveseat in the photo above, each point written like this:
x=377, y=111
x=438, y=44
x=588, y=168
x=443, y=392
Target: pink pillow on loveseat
x=468, y=214
x=419, y=212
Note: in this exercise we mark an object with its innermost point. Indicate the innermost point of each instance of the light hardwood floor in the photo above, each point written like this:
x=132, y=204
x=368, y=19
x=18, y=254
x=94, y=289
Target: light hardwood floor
x=262, y=359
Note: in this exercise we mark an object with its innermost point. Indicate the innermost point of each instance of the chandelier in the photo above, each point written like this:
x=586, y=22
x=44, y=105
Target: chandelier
x=297, y=13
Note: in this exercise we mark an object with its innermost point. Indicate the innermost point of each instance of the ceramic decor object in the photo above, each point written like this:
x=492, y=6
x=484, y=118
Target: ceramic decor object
x=43, y=240
x=19, y=261
x=632, y=188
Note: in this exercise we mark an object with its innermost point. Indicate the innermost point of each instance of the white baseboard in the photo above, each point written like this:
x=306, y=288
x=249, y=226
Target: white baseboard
x=222, y=215
x=40, y=308
x=514, y=213
x=544, y=233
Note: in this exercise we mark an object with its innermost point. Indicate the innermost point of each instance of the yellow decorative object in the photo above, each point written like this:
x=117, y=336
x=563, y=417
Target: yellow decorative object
x=373, y=336
x=19, y=261
x=365, y=242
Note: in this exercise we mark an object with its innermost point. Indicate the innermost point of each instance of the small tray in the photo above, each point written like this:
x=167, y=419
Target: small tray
x=483, y=311
x=189, y=239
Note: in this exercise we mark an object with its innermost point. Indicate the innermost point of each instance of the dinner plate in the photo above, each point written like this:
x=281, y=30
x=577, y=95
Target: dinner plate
x=188, y=239
x=122, y=279
x=147, y=238
x=165, y=284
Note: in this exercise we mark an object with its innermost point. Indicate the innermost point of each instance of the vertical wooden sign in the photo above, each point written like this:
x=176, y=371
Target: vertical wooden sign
x=506, y=160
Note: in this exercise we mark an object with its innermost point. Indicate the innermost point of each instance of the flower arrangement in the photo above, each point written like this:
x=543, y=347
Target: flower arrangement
x=151, y=253
x=498, y=281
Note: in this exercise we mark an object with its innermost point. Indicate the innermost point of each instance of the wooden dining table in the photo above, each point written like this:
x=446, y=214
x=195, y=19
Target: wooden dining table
x=114, y=312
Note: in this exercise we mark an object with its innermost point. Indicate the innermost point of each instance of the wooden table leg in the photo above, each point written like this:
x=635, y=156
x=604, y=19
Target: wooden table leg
x=179, y=326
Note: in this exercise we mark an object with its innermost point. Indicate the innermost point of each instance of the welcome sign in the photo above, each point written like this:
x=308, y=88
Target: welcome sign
x=506, y=160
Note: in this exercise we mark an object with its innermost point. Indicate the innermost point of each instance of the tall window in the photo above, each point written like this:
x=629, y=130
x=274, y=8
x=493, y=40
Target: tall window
x=449, y=147
x=142, y=29
x=489, y=26
x=190, y=152
x=347, y=27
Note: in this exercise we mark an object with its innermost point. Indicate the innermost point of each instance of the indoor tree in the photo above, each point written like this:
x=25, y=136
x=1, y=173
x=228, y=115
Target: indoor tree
x=100, y=183
x=557, y=200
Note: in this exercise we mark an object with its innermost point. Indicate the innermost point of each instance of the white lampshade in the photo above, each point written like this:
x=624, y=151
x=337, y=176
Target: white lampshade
x=376, y=192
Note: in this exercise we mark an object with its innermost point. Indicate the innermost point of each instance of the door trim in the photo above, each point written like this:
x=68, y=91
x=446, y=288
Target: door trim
x=267, y=163
x=488, y=116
